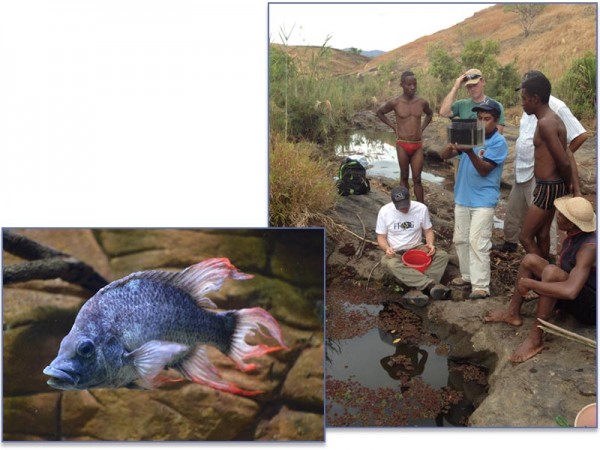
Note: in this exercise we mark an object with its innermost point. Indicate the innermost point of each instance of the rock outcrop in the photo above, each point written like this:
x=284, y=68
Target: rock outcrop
x=556, y=383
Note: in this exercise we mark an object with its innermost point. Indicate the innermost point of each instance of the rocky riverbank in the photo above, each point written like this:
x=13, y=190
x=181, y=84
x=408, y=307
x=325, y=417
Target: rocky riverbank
x=557, y=382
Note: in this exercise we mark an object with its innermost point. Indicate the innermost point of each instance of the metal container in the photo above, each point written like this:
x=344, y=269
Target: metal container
x=469, y=132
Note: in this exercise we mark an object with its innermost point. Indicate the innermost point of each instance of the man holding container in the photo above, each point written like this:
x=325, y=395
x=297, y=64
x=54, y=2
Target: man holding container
x=476, y=194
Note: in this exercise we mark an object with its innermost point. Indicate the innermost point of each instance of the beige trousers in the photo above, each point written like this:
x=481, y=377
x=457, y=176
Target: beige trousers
x=473, y=242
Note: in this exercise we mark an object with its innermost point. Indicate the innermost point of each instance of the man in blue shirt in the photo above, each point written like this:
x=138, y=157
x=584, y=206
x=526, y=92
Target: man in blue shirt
x=476, y=194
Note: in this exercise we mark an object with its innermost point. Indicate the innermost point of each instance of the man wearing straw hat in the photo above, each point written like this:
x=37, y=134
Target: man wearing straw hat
x=400, y=227
x=571, y=286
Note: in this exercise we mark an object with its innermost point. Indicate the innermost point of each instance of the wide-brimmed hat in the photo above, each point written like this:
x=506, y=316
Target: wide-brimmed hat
x=579, y=211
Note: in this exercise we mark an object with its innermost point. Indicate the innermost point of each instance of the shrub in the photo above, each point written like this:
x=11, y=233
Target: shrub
x=299, y=186
x=577, y=88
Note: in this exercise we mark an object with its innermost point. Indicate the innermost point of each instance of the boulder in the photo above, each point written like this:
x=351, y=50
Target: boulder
x=304, y=383
x=290, y=425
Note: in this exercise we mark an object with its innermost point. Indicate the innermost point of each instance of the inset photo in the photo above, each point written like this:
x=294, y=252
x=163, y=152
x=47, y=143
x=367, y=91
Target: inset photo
x=163, y=334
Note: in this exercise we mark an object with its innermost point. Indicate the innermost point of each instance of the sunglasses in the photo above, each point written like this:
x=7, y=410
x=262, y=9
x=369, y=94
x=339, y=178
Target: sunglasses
x=471, y=77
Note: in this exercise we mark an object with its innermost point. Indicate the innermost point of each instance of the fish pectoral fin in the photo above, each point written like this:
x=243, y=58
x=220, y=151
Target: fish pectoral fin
x=150, y=359
x=198, y=368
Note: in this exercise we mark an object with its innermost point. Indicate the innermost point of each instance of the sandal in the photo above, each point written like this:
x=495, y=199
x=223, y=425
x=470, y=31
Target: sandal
x=459, y=282
x=416, y=298
x=478, y=294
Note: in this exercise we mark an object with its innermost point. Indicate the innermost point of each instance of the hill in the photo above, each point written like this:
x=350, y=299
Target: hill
x=368, y=53
x=336, y=62
x=561, y=33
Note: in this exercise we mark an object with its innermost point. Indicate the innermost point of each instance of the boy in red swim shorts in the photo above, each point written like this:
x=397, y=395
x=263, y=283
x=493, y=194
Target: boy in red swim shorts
x=408, y=128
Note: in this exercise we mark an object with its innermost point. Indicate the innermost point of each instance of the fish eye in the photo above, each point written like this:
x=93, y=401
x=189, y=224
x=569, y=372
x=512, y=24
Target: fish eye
x=85, y=348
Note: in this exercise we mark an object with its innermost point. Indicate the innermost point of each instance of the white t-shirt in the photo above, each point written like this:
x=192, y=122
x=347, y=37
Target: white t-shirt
x=524, y=146
x=403, y=231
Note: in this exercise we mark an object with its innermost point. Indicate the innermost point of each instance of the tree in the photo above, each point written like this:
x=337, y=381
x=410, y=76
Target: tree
x=442, y=65
x=527, y=13
x=355, y=51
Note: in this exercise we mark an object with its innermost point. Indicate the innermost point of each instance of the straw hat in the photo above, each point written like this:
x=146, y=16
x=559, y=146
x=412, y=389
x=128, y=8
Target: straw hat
x=579, y=211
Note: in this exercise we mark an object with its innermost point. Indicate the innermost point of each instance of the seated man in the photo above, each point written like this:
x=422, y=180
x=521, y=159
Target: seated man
x=571, y=287
x=400, y=227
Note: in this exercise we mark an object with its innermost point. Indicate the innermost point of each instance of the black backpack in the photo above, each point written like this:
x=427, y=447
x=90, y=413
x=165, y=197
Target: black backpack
x=353, y=178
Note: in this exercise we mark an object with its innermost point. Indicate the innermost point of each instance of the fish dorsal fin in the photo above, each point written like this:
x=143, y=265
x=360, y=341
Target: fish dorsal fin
x=197, y=280
x=206, y=303
x=151, y=358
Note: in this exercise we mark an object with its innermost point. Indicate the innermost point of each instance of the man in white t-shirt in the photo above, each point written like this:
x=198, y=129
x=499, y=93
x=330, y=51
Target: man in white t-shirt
x=521, y=194
x=401, y=225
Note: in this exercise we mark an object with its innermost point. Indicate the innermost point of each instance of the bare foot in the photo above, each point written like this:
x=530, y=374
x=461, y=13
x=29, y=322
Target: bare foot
x=528, y=349
x=503, y=315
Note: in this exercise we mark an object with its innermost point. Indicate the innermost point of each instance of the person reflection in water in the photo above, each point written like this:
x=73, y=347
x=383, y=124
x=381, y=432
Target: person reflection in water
x=408, y=361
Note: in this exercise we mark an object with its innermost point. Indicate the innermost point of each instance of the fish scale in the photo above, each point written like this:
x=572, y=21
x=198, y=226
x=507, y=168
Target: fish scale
x=164, y=313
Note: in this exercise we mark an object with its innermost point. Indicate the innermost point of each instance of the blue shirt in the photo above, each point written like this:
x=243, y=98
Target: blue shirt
x=471, y=189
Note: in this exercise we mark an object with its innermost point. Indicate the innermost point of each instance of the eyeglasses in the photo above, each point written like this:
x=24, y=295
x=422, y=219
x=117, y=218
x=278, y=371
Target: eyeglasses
x=471, y=77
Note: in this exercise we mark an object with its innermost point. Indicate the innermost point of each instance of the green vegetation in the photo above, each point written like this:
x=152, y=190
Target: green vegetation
x=300, y=187
x=577, y=88
x=500, y=80
x=307, y=104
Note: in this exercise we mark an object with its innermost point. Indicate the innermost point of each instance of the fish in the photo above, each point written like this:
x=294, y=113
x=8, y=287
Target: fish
x=135, y=327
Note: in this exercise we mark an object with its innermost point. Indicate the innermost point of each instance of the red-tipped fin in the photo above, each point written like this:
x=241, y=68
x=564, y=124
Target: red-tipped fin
x=249, y=323
x=198, y=368
x=150, y=359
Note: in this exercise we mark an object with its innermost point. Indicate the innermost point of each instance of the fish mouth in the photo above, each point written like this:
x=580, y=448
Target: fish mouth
x=61, y=379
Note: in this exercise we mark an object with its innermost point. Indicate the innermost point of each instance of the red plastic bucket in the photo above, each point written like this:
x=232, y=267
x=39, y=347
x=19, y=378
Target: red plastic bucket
x=417, y=259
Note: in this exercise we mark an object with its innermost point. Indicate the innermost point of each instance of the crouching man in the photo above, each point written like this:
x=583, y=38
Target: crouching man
x=400, y=227
x=570, y=286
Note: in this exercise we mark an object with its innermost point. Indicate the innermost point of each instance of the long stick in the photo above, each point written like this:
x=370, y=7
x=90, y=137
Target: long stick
x=554, y=329
x=361, y=246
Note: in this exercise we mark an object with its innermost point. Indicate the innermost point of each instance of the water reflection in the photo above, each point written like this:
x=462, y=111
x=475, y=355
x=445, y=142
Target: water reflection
x=379, y=149
x=376, y=368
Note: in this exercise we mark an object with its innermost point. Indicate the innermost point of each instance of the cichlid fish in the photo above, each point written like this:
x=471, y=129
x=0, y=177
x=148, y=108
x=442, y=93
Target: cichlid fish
x=135, y=327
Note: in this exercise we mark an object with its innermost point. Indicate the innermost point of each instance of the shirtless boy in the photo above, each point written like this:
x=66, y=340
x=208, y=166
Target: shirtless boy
x=408, y=109
x=571, y=286
x=553, y=167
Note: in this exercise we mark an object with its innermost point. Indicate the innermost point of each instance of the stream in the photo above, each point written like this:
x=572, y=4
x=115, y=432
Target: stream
x=395, y=382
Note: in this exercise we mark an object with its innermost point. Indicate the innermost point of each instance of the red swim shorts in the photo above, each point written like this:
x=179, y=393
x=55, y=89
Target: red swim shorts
x=409, y=146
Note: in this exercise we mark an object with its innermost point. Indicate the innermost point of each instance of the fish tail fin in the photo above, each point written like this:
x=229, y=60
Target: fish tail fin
x=199, y=369
x=248, y=323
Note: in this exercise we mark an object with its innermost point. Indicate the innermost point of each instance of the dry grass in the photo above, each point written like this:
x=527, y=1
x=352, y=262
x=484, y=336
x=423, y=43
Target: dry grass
x=560, y=34
x=300, y=187
x=336, y=62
